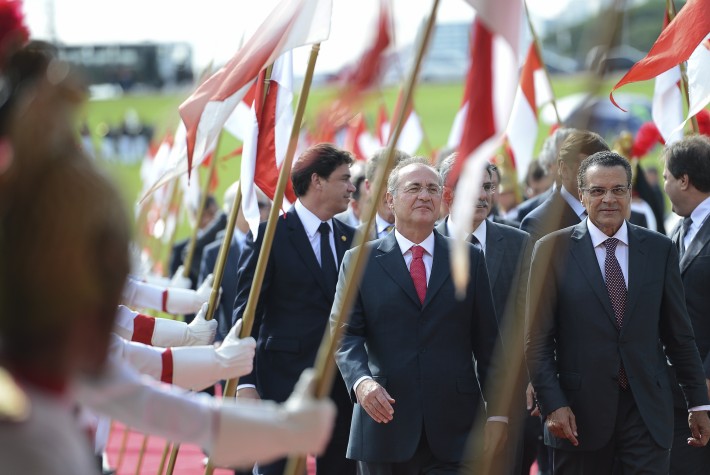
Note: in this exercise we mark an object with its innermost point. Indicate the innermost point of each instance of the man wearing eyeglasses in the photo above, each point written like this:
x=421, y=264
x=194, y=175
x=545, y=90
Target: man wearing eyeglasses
x=408, y=352
x=605, y=314
x=507, y=251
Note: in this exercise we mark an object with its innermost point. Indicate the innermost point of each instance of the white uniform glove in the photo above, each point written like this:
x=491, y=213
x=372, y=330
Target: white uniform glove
x=169, y=333
x=179, y=280
x=263, y=431
x=182, y=301
x=198, y=367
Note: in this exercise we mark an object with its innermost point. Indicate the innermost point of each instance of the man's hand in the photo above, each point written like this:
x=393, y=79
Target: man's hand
x=699, y=424
x=495, y=434
x=248, y=393
x=532, y=404
x=375, y=400
x=562, y=424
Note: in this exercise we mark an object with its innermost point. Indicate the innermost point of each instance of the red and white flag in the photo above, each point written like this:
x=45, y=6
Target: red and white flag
x=682, y=39
x=667, y=105
x=292, y=23
x=490, y=87
x=266, y=143
x=533, y=91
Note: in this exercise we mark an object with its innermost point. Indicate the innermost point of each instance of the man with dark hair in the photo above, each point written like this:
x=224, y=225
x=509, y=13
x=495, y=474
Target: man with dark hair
x=605, y=315
x=687, y=184
x=410, y=340
x=352, y=215
x=507, y=251
x=562, y=208
x=298, y=289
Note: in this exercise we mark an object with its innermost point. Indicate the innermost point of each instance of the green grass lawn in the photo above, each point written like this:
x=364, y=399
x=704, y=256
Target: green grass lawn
x=436, y=105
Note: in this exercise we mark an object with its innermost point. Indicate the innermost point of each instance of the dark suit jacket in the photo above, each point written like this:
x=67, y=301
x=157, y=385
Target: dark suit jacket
x=204, y=237
x=695, y=272
x=422, y=354
x=229, y=280
x=527, y=206
x=574, y=349
x=293, y=307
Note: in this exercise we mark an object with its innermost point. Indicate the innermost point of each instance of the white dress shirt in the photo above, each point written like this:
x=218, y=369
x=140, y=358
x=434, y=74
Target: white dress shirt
x=311, y=223
x=699, y=215
x=480, y=232
x=574, y=203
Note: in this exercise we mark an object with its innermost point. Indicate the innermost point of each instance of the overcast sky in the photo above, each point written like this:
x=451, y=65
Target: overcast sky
x=215, y=28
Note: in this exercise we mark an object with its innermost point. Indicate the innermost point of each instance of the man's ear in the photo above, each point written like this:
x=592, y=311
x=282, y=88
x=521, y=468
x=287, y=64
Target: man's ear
x=684, y=182
x=315, y=181
x=389, y=199
x=447, y=195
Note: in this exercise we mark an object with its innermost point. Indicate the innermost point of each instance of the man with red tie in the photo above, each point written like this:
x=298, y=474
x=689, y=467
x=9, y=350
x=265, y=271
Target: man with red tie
x=408, y=352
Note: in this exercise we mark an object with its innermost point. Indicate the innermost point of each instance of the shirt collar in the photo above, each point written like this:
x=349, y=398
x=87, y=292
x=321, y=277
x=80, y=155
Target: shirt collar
x=480, y=233
x=405, y=244
x=598, y=237
x=380, y=223
x=701, y=212
x=573, y=201
x=310, y=221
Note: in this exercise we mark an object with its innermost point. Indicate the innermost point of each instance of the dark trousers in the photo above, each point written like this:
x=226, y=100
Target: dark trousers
x=333, y=461
x=687, y=460
x=631, y=449
x=422, y=462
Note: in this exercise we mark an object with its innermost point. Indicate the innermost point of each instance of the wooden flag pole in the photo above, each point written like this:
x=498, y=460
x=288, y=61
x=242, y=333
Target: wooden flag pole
x=325, y=363
x=284, y=176
x=187, y=263
x=163, y=458
x=670, y=7
x=538, y=50
x=141, y=454
x=515, y=361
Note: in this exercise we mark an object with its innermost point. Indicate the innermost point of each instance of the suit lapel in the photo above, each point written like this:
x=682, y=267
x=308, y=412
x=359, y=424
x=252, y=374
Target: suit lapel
x=582, y=251
x=342, y=241
x=495, y=244
x=298, y=237
x=638, y=257
x=440, y=269
x=699, y=241
x=392, y=261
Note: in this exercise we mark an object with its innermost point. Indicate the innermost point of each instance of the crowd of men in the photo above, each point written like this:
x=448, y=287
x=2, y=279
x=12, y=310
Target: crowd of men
x=580, y=316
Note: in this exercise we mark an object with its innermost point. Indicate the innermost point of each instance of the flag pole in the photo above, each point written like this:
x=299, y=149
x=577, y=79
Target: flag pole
x=538, y=50
x=325, y=362
x=187, y=263
x=671, y=12
x=173, y=206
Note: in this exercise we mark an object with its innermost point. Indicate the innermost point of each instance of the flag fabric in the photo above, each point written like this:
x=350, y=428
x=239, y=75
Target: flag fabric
x=667, y=105
x=490, y=89
x=674, y=45
x=292, y=23
x=533, y=91
x=698, y=74
x=412, y=134
x=266, y=143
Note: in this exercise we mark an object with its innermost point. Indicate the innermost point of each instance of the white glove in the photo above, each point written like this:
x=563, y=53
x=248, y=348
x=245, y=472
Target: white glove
x=263, y=431
x=198, y=367
x=169, y=333
x=182, y=301
x=179, y=280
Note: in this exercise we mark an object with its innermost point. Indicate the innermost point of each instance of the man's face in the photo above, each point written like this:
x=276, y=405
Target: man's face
x=672, y=187
x=609, y=210
x=336, y=189
x=484, y=203
x=416, y=201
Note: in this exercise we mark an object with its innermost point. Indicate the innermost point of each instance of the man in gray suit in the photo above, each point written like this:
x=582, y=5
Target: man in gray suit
x=605, y=313
x=507, y=251
x=687, y=183
x=408, y=352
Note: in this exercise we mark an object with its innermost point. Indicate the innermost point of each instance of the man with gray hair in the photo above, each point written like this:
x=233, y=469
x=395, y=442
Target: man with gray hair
x=410, y=340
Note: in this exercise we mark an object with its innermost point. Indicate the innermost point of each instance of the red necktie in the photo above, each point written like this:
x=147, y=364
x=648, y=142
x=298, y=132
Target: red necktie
x=418, y=272
x=616, y=287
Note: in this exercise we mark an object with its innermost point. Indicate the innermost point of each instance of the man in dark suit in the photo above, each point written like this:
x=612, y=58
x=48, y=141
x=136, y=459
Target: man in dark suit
x=606, y=312
x=298, y=289
x=507, y=251
x=687, y=183
x=410, y=340
x=225, y=305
